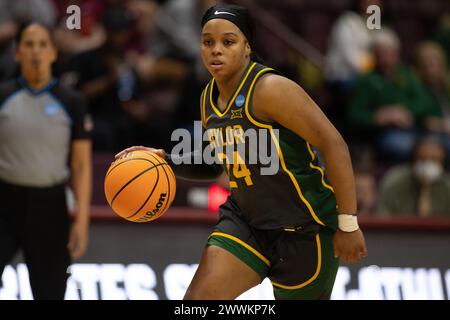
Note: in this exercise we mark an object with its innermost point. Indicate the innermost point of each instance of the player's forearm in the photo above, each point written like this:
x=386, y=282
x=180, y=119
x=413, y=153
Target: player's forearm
x=185, y=167
x=340, y=173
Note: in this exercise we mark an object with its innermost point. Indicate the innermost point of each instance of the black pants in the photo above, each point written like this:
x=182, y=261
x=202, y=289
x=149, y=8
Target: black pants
x=35, y=220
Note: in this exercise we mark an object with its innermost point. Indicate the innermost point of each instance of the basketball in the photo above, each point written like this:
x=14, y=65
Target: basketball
x=140, y=186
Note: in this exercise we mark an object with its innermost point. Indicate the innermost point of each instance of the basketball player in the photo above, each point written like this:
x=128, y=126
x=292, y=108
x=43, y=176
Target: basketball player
x=42, y=131
x=293, y=226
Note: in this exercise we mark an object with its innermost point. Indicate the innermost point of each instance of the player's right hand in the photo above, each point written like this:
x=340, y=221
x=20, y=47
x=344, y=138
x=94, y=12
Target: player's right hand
x=158, y=152
x=350, y=247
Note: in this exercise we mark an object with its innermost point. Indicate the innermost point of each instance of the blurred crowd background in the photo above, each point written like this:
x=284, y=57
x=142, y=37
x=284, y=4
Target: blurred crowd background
x=386, y=90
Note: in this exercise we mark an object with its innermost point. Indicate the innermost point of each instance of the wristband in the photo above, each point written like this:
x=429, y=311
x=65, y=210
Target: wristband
x=348, y=222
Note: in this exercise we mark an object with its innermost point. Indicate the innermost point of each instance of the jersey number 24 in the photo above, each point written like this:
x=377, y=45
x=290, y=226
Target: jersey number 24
x=240, y=170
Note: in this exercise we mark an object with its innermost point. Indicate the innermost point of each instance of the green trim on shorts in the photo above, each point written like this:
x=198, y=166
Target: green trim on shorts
x=251, y=257
x=322, y=286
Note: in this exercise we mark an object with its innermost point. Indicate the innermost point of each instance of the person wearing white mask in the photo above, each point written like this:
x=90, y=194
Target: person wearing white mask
x=421, y=188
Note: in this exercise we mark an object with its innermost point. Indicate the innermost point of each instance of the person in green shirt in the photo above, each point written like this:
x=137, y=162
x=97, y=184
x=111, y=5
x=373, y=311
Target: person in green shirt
x=433, y=71
x=388, y=103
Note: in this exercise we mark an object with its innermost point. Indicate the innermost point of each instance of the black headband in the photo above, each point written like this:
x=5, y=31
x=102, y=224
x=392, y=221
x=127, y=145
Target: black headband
x=235, y=14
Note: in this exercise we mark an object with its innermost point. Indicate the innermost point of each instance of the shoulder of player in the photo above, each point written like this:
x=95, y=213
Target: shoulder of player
x=272, y=88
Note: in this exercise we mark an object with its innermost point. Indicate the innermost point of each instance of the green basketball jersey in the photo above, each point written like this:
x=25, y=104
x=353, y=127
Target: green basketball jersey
x=295, y=194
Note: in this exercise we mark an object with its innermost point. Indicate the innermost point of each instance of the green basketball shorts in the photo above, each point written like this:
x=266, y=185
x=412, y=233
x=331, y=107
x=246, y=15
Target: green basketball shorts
x=300, y=265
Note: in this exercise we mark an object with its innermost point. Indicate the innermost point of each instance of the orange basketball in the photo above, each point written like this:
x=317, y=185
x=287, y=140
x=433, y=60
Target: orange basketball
x=140, y=186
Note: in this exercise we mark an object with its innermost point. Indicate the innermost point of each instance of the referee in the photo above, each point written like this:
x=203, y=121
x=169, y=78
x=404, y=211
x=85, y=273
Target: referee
x=44, y=140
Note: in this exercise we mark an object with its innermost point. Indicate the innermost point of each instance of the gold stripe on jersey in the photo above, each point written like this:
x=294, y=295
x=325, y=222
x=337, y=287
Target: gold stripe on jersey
x=230, y=103
x=203, y=110
x=313, y=156
x=280, y=153
x=242, y=243
x=314, y=277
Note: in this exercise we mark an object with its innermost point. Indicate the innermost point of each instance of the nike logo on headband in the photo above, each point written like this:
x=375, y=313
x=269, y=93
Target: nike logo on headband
x=223, y=12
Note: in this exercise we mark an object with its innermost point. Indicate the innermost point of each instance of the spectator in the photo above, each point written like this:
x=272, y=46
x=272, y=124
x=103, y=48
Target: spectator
x=44, y=139
x=130, y=94
x=91, y=35
x=350, y=45
x=387, y=104
x=433, y=70
x=146, y=13
x=349, y=55
x=418, y=189
x=106, y=79
x=176, y=35
x=153, y=64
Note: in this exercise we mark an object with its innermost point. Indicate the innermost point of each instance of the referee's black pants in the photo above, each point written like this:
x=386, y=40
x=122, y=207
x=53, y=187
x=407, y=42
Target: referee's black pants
x=35, y=220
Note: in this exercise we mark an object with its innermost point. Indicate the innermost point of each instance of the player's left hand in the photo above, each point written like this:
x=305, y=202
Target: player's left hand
x=78, y=239
x=349, y=246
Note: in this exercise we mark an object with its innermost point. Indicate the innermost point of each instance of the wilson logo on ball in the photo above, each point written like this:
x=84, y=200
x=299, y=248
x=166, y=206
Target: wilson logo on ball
x=160, y=203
